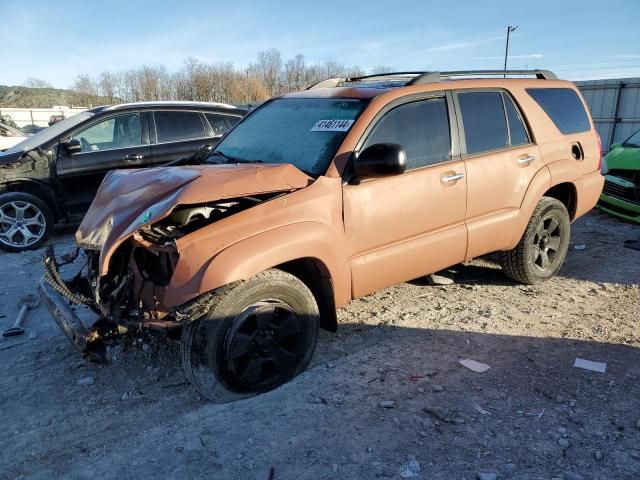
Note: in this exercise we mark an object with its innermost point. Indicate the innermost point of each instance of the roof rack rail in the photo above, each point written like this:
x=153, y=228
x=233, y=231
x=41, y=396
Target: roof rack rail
x=541, y=74
x=422, y=77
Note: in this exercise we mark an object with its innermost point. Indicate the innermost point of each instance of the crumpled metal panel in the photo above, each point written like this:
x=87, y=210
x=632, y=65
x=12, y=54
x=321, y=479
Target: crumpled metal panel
x=129, y=199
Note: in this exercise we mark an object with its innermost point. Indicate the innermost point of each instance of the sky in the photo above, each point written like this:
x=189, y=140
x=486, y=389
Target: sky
x=56, y=40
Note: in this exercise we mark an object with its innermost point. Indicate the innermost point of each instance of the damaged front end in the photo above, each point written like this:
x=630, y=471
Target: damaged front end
x=124, y=279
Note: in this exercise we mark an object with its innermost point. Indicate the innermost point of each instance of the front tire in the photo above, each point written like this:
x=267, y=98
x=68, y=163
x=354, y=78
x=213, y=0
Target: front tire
x=543, y=247
x=255, y=336
x=25, y=222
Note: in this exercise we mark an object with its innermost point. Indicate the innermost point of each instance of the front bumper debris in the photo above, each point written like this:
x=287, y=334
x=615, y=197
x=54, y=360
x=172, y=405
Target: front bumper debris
x=66, y=318
x=58, y=297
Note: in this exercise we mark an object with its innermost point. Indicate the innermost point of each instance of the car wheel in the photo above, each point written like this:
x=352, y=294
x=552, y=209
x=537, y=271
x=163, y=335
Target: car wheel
x=256, y=335
x=25, y=221
x=543, y=247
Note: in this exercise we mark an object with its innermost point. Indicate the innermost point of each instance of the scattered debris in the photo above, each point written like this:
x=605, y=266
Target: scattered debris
x=539, y=415
x=572, y=476
x=26, y=303
x=597, y=455
x=434, y=279
x=581, y=246
x=448, y=416
x=86, y=381
x=487, y=476
x=387, y=404
x=125, y=396
x=475, y=366
x=589, y=365
x=480, y=410
x=6, y=347
x=411, y=469
x=438, y=388
x=632, y=244
x=564, y=443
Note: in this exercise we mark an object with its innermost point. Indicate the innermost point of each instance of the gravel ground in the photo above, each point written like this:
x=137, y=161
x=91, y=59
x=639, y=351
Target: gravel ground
x=385, y=397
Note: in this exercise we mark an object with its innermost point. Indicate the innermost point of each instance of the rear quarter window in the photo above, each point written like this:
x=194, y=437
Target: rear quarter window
x=564, y=108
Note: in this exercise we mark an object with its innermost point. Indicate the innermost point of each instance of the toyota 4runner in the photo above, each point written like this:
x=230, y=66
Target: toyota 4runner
x=323, y=196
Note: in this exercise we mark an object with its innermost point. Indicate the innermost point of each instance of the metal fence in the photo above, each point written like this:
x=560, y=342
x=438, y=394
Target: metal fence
x=615, y=107
x=36, y=116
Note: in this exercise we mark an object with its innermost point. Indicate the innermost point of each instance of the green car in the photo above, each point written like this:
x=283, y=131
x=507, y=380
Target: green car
x=621, y=193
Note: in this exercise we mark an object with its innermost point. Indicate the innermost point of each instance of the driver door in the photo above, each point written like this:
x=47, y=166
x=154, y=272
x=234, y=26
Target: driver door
x=405, y=226
x=117, y=141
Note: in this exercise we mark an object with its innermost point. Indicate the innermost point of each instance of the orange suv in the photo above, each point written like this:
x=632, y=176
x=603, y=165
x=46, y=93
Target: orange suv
x=323, y=196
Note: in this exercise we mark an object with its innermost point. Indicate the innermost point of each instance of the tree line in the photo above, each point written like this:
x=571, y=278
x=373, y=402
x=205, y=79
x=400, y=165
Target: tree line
x=269, y=75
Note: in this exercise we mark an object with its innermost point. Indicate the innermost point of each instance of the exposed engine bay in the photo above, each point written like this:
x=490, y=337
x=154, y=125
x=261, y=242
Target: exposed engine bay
x=128, y=299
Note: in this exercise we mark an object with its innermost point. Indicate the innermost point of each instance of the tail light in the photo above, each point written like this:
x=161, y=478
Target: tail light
x=599, y=143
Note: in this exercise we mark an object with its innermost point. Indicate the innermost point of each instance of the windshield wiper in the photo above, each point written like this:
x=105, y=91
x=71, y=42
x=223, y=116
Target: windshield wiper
x=230, y=159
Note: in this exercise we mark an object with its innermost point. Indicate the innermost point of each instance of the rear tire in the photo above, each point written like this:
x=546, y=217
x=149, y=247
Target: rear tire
x=255, y=336
x=543, y=247
x=26, y=222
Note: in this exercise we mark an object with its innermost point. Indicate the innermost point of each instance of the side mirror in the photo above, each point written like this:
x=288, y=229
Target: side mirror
x=202, y=154
x=73, y=146
x=380, y=160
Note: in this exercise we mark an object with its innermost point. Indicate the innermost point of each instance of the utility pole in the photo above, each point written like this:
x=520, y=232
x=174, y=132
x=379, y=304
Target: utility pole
x=510, y=28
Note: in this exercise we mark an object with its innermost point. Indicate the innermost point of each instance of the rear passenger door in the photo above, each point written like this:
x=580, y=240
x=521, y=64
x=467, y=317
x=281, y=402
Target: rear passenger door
x=178, y=134
x=500, y=162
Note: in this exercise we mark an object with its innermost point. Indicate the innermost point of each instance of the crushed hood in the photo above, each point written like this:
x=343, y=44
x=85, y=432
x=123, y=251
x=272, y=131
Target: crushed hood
x=130, y=199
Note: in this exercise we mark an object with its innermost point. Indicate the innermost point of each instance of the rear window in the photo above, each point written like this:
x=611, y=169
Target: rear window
x=176, y=126
x=221, y=123
x=564, y=108
x=485, y=126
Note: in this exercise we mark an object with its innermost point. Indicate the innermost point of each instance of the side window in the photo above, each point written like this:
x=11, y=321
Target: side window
x=517, y=129
x=221, y=123
x=485, y=126
x=421, y=127
x=115, y=132
x=563, y=107
x=176, y=126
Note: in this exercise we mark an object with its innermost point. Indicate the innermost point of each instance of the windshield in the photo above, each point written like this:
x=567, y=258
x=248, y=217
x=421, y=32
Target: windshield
x=44, y=136
x=633, y=140
x=305, y=132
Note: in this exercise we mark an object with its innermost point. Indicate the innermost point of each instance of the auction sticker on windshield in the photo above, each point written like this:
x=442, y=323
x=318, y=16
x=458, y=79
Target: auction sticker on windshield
x=332, y=125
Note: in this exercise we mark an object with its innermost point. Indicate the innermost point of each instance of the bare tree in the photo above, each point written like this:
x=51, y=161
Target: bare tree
x=213, y=82
x=268, y=68
x=107, y=86
x=33, y=82
x=295, y=73
x=87, y=89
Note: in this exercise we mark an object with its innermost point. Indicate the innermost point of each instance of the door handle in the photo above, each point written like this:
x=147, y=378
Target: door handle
x=133, y=157
x=452, y=178
x=526, y=160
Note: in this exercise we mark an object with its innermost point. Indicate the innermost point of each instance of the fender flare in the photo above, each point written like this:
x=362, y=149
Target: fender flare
x=562, y=171
x=247, y=257
x=540, y=183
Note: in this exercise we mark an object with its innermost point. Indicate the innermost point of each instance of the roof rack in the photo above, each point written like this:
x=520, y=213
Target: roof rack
x=419, y=78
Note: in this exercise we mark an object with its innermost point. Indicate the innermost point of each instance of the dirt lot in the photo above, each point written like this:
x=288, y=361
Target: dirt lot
x=532, y=415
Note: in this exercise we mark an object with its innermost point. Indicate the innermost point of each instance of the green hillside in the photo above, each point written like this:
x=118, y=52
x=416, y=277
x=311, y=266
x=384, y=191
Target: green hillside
x=26, y=97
